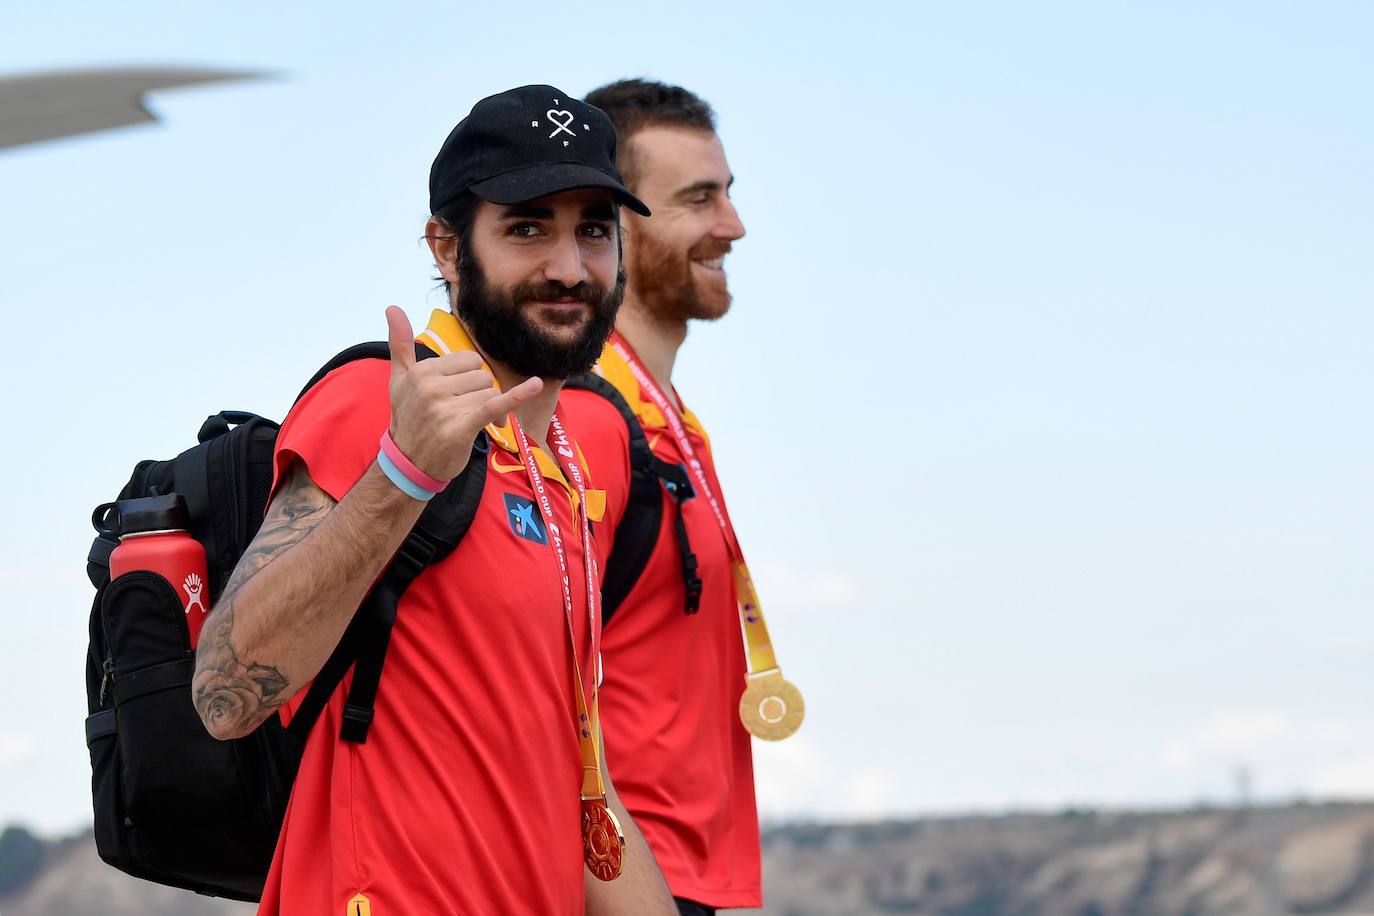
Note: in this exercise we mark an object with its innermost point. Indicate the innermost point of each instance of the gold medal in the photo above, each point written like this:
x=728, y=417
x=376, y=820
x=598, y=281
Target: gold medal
x=603, y=842
x=771, y=707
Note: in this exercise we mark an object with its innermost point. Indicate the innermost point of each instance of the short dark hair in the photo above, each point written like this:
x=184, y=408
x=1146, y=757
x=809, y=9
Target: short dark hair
x=635, y=104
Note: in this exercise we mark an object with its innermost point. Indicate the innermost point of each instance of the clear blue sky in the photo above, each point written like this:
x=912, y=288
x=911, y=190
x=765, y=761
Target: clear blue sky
x=1044, y=407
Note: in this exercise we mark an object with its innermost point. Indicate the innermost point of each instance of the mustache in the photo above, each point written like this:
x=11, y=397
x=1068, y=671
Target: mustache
x=589, y=293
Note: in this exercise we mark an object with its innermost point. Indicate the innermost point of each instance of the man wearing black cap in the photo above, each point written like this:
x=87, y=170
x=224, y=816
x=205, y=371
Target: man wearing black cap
x=479, y=788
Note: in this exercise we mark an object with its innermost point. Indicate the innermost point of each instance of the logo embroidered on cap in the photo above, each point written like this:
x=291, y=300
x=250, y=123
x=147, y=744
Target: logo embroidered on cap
x=524, y=519
x=562, y=122
x=560, y=125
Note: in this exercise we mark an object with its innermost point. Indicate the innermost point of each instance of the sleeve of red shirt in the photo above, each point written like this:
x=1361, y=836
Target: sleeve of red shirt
x=337, y=426
x=599, y=430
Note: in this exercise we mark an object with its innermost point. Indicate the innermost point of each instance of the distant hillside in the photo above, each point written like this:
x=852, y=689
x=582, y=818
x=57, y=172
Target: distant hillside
x=1303, y=859
x=1256, y=862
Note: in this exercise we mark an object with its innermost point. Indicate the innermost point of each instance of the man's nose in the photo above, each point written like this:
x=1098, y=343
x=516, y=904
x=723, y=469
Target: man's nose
x=729, y=226
x=565, y=263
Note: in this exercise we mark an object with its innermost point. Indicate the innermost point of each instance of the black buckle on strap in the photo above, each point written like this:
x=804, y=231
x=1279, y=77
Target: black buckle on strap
x=357, y=720
x=675, y=479
x=692, y=584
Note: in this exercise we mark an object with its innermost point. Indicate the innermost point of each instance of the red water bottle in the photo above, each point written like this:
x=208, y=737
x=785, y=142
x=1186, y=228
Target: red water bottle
x=153, y=536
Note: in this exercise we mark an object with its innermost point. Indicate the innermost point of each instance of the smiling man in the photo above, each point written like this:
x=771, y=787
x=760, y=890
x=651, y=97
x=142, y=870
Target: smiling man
x=674, y=659
x=473, y=783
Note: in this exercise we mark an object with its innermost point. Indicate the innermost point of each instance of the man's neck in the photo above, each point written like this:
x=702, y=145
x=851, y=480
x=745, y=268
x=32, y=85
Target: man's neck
x=655, y=342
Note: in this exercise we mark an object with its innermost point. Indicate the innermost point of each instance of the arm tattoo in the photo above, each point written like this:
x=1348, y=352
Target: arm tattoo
x=298, y=508
x=231, y=694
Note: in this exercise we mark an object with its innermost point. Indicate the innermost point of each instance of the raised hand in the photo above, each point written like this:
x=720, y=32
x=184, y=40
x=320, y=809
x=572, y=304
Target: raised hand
x=438, y=406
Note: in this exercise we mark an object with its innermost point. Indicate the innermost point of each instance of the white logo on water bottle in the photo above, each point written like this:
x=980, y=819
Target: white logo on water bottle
x=193, y=588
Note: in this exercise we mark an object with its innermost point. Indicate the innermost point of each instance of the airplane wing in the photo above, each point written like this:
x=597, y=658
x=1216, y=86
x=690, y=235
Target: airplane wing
x=46, y=106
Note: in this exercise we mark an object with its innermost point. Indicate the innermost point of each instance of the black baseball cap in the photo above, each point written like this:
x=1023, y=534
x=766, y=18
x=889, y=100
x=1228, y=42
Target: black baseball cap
x=528, y=143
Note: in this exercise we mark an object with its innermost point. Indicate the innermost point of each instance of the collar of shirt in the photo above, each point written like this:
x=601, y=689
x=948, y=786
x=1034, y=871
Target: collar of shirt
x=446, y=334
x=615, y=370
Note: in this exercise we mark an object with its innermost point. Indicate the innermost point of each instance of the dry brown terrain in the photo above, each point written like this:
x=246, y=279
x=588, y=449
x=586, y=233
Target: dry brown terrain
x=1302, y=859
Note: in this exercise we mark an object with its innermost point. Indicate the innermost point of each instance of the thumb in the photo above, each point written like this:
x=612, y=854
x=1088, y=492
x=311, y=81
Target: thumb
x=401, y=340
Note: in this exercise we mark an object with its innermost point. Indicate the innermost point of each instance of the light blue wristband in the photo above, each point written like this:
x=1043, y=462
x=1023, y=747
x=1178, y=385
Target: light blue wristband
x=403, y=483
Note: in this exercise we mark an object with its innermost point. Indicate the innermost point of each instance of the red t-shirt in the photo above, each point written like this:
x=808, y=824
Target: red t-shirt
x=465, y=797
x=676, y=750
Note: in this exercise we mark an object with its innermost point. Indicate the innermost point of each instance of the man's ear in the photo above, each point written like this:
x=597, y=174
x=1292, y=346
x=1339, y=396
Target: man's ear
x=443, y=244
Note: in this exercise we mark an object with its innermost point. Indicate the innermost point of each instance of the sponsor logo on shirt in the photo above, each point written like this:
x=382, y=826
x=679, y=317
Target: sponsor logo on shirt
x=524, y=519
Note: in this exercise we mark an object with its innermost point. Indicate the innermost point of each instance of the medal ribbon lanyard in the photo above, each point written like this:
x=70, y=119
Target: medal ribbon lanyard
x=603, y=840
x=760, y=656
x=588, y=720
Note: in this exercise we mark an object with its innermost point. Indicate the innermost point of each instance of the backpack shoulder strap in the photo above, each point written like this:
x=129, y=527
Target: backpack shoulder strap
x=436, y=534
x=590, y=381
x=637, y=534
x=372, y=349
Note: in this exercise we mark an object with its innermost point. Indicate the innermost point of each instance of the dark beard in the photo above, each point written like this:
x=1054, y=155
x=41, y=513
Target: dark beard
x=503, y=331
x=663, y=282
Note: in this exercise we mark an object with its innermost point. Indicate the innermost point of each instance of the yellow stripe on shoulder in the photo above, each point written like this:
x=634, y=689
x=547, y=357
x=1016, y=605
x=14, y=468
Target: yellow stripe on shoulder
x=618, y=372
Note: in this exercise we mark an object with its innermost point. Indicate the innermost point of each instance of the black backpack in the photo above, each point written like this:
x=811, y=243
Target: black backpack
x=173, y=804
x=637, y=534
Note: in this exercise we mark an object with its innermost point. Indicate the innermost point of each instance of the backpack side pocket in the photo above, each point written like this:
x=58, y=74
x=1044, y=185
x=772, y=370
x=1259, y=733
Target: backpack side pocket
x=191, y=812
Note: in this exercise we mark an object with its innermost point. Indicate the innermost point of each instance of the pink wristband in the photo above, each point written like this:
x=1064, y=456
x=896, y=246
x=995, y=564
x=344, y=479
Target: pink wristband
x=408, y=468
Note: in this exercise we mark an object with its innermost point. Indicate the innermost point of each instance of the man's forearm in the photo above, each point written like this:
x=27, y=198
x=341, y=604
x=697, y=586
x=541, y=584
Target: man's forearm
x=640, y=890
x=292, y=596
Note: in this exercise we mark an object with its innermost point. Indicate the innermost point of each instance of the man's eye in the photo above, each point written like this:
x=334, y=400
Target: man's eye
x=701, y=201
x=523, y=230
x=596, y=230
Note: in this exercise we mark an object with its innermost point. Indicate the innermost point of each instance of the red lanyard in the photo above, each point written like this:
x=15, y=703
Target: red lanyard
x=770, y=707
x=588, y=725
x=684, y=442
